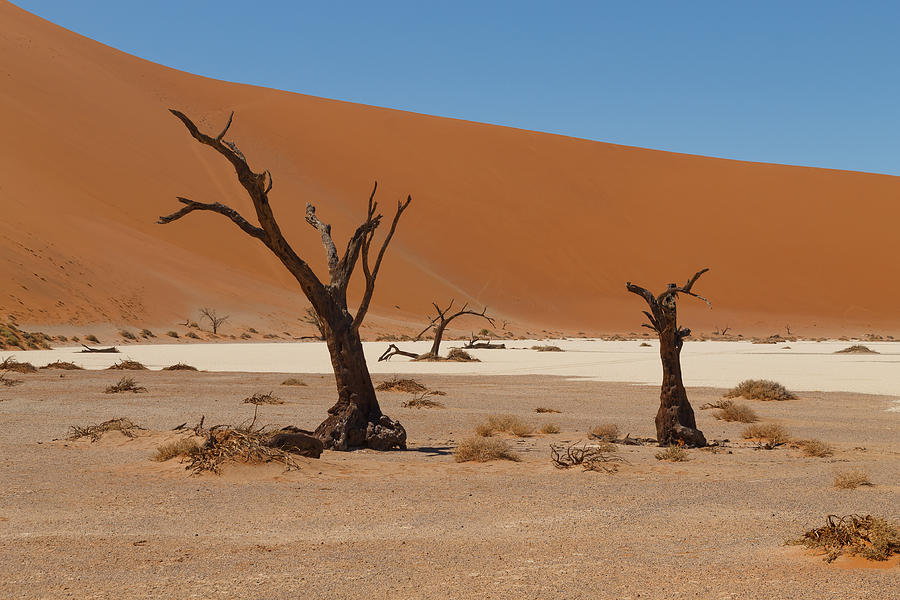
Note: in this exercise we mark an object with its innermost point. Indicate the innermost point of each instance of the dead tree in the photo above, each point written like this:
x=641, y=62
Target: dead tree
x=356, y=419
x=675, y=422
x=438, y=323
x=214, y=320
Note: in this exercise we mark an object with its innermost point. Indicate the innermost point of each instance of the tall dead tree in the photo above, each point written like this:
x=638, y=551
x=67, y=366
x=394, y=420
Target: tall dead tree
x=675, y=423
x=215, y=320
x=356, y=419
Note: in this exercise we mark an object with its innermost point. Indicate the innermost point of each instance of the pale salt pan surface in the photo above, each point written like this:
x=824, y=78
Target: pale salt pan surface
x=805, y=366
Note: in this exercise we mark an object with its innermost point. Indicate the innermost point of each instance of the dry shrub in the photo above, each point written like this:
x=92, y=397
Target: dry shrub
x=869, y=537
x=92, y=338
x=760, y=389
x=672, y=454
x=506, y=424
x=849, y=480
x=95, y=432
x=605, y=431
x=66, y=366
x=740, y=413
x=857, y=349
x=126, y=384
x=183, y=446
x=591, y=458
x=460, y=355
x=127, y=364
x=293, y=381
x=723, y=403
x=773, y=433
x=260, y=398
x=644, y=345
x=244, y=445
x=192, y=335
x=127, y=334
x=479, y=449
x=547, y=348
x=11, y=364
x=147, y=333
x=180, y=367
x=815, y=448
x=542, y=409
x=410, y=386
x=550, y=428
x=172, y=334
x=423, y=400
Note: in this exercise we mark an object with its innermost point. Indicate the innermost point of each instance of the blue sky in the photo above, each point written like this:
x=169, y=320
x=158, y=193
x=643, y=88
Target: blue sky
x=806, y=83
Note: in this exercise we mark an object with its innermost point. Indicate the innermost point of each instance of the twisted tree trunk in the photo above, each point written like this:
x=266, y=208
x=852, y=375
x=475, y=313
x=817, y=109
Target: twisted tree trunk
x=675, y=422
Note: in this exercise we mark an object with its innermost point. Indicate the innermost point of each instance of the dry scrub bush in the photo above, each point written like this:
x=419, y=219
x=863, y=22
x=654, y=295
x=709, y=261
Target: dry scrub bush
x=293, y=381
x=460, y=355
x=423, y=400
x=591, y=458
x=605, y=431
x=760, y=389
x=672, y=454
x=127, y=334
x=260, y=398
x=11, y=364
x=95, y=432
x=868, y=537
x=66, y=366
x=815, y=448
x=92, y=338
x=147, y=333
x=548, y=428
x=547, y=348
x=542, y=409
x=179, y=367
x=410, y=386
x=244, y=445
x=849, y=480
x=182, y=446
x=506, y=424
x=128, y=365
x=773, y=433
x=479, y=449
x=740, y=413
x=857, y=349
x=126, y=384
x=172, y=334
x=192, y=335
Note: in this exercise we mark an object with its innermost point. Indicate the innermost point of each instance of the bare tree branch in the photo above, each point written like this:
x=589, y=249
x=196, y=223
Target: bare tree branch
x=235, y=216
x=325, y=231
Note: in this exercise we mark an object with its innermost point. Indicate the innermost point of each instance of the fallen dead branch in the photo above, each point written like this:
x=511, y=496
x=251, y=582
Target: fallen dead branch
x=590, y=457
x=126, y=426
x=110, y=350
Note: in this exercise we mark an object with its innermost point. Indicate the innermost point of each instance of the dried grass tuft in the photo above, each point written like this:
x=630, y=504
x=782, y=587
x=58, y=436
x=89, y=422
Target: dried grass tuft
x=95, y=432
x=479, y=449
x=183, y=446
x=126, y=364
x=723, y=403
x=815, y=448
x=773, y=433
x=126, y=384
x=423, y=400
x=849, y=480
x=260, y=398
x=760, y=389
x=740, y=413
x=605, y=431
x=548, y=428
x=180, y=367
x=409, y=386
x=672, y=454
x=869, y=537
x=504, y=424
x=293, y=381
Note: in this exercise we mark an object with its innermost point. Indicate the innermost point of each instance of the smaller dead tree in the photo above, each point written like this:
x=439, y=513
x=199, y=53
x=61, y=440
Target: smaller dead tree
x=438, y=323
x=214, y=319
x=675, y=423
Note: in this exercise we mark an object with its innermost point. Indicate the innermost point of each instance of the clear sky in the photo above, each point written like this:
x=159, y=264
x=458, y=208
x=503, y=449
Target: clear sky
x=807, y=82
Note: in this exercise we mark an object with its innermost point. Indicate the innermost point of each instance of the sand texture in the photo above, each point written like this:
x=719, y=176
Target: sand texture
x=100, y=520
x=544, y=229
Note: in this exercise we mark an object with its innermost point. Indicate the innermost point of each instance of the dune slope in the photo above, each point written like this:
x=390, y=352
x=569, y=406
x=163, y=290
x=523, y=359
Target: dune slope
x=544, y=229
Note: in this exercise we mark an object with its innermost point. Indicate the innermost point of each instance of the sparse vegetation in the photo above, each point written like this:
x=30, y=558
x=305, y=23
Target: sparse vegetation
x=12, y=365
x=66, y=366
x=605, y=431
x=723, y=403
x=127, y=364
x=410, y=386
x=543, y=409
x=734, y=412
x=182, y=446
x=547, y=348
x=772, y=433
x=548, y=428
x=815, y=448
x=147, y=333
x=172, y=334
x=460, y=355
x=849, y=480
x=13, y=337
x=260, y=398
x=590, y=457
x=127, y=334
x=423, y=400
x=125, y=384
x=192, y=335
x=480, y=449
x=243, y=445
x=760, y=389
x=672, y=454
x=126, y=426
x=857, y=349
x=180, y=367
x=504, y=424
x=6, y=381
x=869, y=537
x=293, y=381
x=92, y=338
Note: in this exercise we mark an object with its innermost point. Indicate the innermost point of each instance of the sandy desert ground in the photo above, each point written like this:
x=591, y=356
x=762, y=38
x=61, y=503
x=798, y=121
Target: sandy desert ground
x=101, y=520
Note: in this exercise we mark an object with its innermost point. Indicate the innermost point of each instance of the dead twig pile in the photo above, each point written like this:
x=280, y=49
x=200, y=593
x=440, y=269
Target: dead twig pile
x=868, y=537
x=547, y=348
x=126, y=384
x=64, y=365
x=179, y=367
x=11, y=364
x=267, y=398
x=95, y=432
x=590, y=457
x=423, y=400
x=410, y=386
x=857, y=349
x=243, y=445
x=127, y=365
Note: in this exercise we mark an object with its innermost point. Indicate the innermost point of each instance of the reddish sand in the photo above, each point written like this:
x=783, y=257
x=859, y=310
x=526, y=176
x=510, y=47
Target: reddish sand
x=544, y=229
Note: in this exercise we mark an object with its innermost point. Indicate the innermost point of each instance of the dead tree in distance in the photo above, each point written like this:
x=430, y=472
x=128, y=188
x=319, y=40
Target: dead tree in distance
x=438, y=323
x=214, y=319
x=356, y=419
x=675, y=423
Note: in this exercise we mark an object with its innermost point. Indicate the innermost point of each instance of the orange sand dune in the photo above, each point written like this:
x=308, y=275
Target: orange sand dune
x=542, y=228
